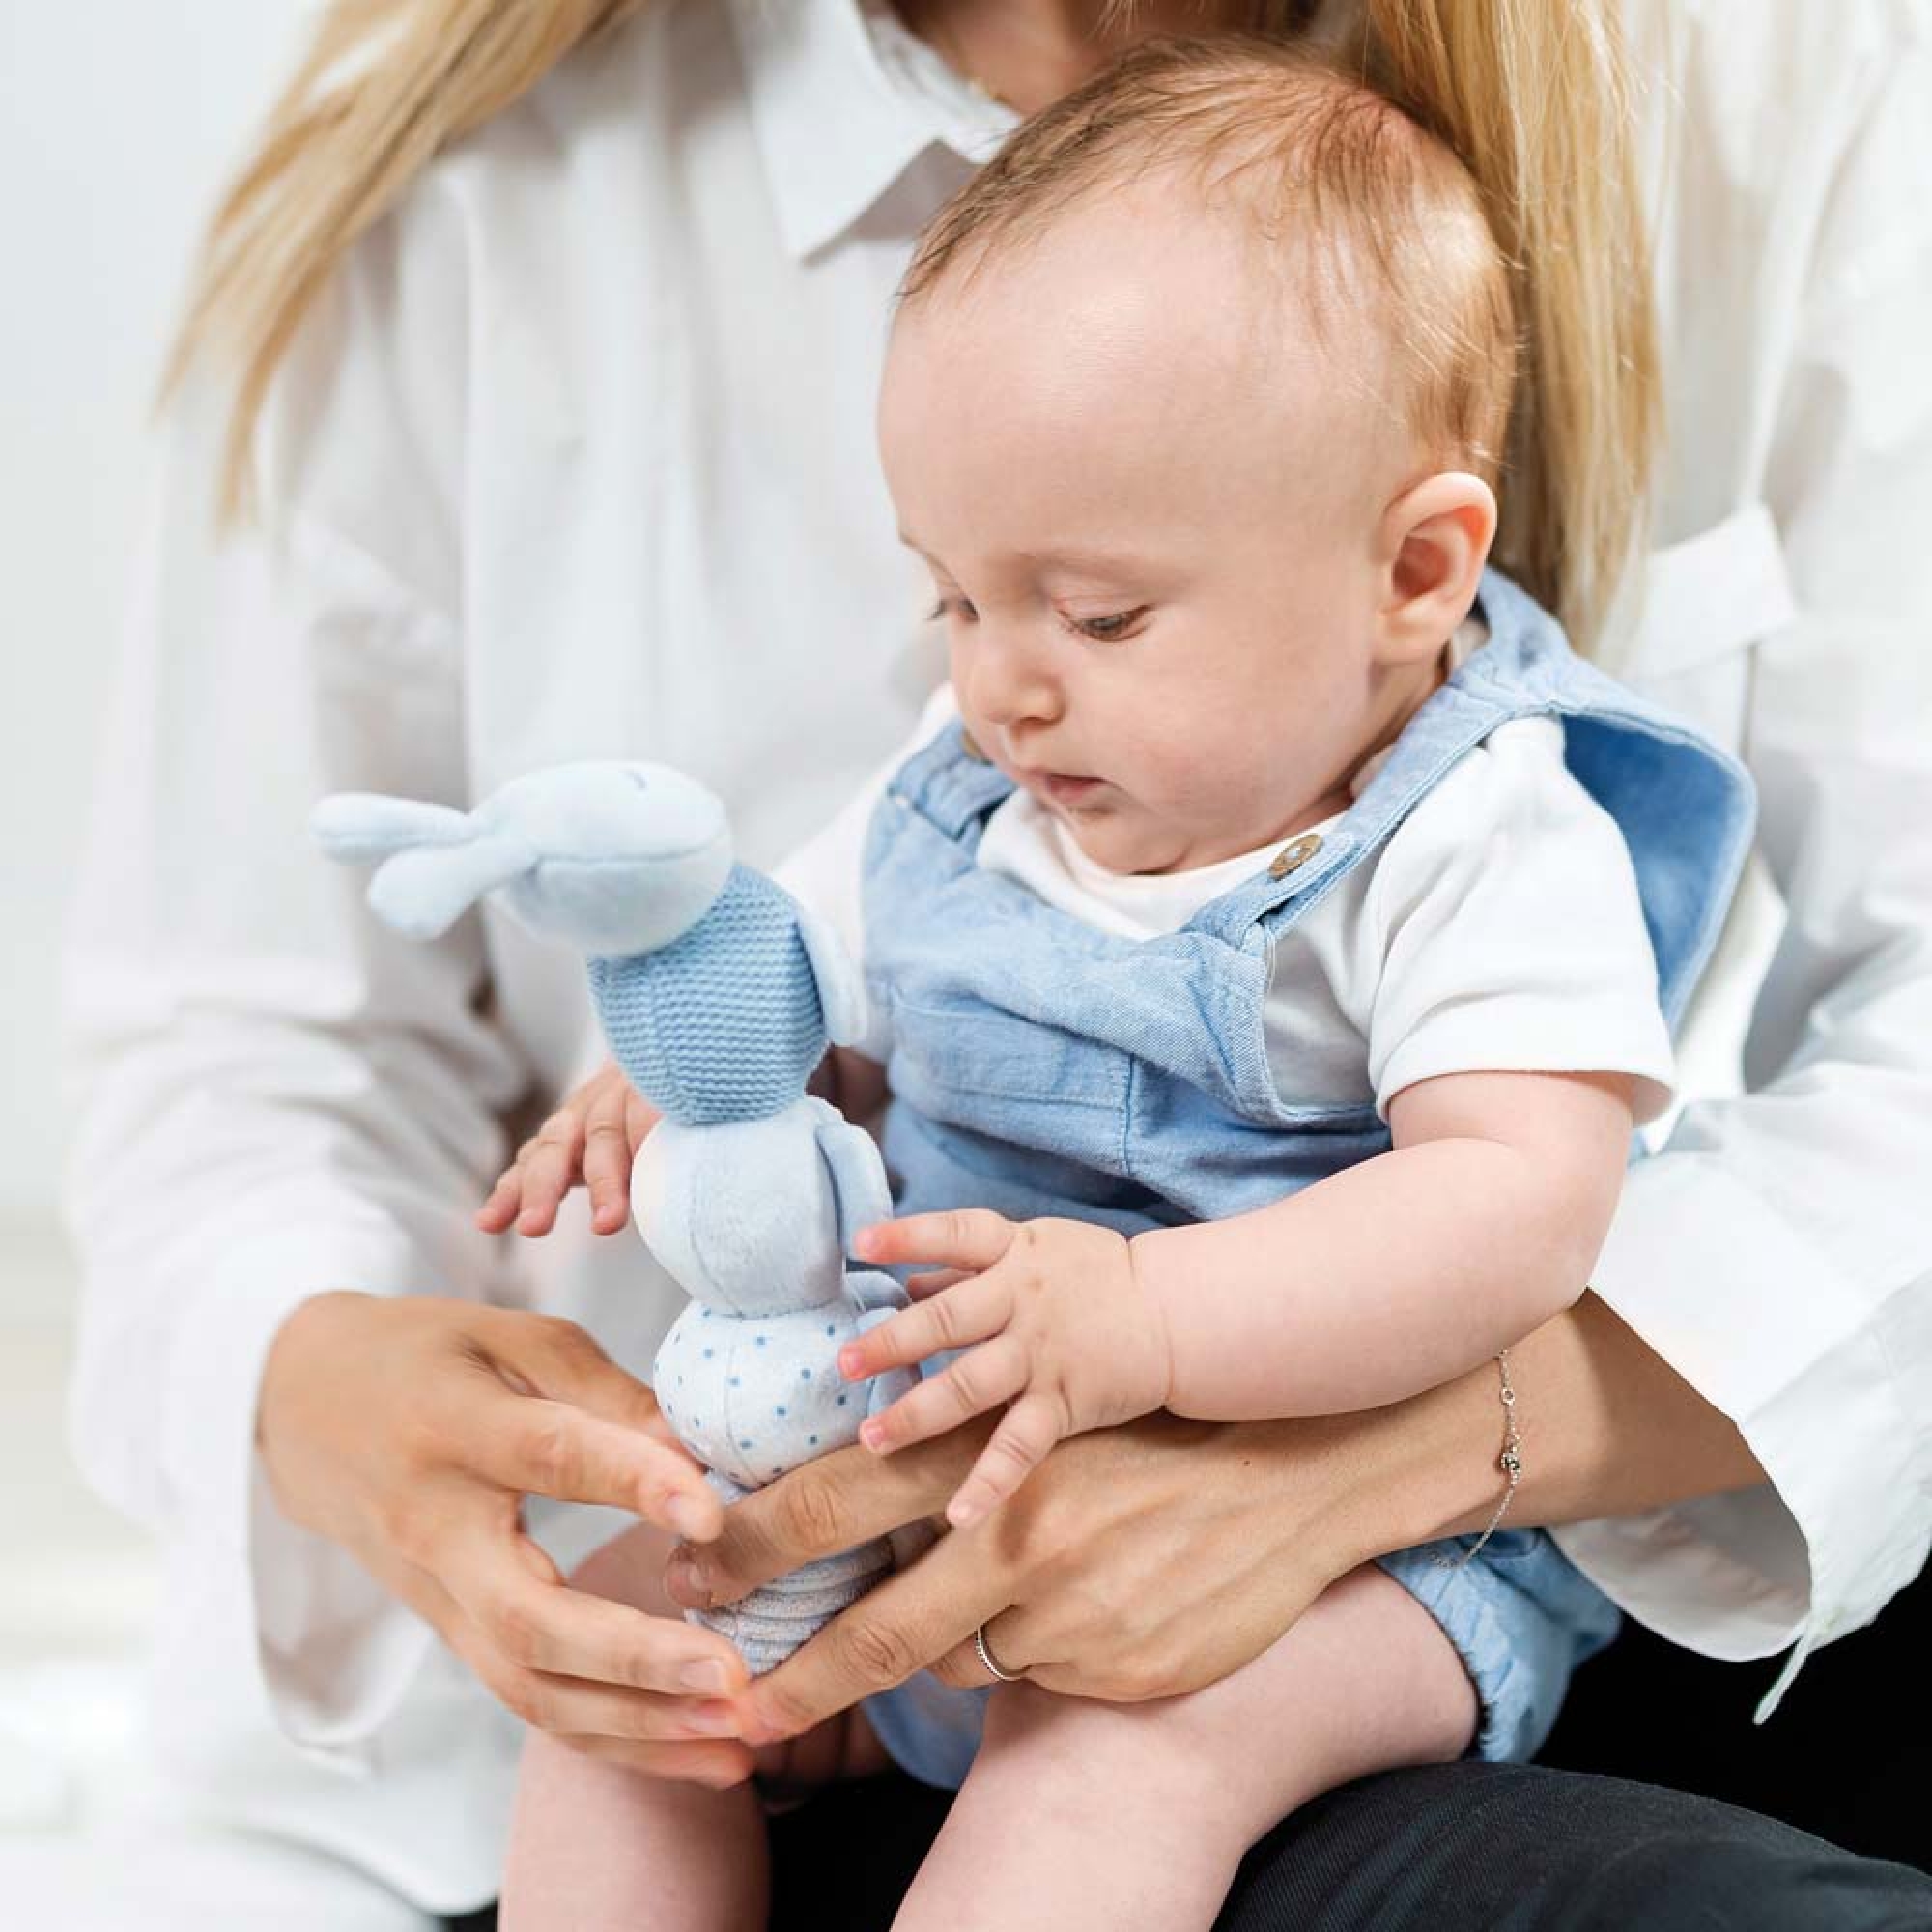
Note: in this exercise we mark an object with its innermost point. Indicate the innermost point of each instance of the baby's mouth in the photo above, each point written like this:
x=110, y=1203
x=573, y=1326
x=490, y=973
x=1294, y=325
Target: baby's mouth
x=1068, y=788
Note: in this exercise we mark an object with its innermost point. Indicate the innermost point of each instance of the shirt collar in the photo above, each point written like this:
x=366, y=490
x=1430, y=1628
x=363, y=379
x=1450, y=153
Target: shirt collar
x=842, y=101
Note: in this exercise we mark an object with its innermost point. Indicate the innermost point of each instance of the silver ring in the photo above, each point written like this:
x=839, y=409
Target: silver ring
x=986, y=1658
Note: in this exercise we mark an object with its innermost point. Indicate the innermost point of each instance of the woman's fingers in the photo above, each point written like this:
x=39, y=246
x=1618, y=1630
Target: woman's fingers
x=841, y=1500
x=532, y=1446
x=1020, y=1445
x=594, y=1665
x=913, y=1618
x=548, y=1355
x=975, y=1384
x=963, y=1238
x=971, y=1310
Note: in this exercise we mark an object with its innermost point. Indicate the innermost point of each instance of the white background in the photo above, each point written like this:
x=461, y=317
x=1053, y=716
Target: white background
x=119, y=119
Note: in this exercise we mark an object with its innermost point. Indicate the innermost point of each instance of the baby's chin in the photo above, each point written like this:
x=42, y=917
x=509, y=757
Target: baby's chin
x=1110, y=839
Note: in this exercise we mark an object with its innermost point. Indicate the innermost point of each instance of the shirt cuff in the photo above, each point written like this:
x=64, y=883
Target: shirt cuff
x=334, y=1649
x=1765, y=1328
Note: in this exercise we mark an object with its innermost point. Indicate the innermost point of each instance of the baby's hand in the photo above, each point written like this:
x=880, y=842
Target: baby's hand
x=1053, y=1320
x=593, y=1137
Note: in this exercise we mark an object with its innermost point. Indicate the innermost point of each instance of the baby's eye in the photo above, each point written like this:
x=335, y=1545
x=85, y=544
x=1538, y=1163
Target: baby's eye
x=1108, y=630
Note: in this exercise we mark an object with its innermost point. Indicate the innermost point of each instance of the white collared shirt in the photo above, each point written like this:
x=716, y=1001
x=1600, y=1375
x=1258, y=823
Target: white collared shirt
x=576, y=460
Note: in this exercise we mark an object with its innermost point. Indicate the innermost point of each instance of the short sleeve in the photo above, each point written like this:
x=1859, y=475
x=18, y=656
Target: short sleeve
x=1505, y=932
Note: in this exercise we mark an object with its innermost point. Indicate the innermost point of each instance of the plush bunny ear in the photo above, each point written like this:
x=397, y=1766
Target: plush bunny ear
x=841, y=992
x=423, y=893
x=360, y=827
x=851, y=1157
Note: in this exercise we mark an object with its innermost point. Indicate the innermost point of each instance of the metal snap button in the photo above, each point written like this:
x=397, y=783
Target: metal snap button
x=1295, y=855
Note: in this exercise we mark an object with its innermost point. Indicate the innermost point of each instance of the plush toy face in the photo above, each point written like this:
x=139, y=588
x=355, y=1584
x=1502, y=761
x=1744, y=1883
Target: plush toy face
x=745, y=1216
x=628, y=855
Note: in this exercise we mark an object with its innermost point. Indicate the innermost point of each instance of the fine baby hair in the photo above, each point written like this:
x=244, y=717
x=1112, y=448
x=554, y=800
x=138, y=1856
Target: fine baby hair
x=718, y=995
x=1368, y=223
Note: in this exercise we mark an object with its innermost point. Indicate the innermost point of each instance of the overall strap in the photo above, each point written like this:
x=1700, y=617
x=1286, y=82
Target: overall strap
x=1454, y=718
x=950, y=785
x=1685, y=807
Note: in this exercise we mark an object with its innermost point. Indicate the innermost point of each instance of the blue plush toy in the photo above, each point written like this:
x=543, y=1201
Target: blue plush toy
x=719, y=995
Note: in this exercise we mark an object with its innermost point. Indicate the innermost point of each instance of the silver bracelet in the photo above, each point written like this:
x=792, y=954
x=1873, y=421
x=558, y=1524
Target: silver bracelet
x=1510, y=1462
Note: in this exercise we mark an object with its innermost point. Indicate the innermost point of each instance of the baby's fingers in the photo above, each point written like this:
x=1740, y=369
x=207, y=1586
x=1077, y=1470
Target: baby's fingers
x=506, y=1198
x=1022, y=1442
x=616, y=1121
x=981, y=1379
x=971, y=1309
x=963, y=1238
x=552, y=1165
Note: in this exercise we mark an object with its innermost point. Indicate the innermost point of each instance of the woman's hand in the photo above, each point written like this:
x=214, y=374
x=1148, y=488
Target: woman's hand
x=1136, y=1562
x=408, y=1430
x=593, y=1137
x=1149, y=1559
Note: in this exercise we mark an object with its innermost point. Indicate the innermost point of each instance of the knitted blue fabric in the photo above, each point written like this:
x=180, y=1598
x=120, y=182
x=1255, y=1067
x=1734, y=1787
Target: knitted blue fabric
x=723, y=1024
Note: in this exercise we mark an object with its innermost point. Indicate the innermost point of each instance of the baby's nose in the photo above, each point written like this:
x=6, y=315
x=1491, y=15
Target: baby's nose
x=1008, y=682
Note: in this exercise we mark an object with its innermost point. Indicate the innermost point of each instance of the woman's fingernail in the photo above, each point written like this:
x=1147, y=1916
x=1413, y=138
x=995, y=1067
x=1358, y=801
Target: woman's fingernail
x=864, y=1241
x=687, y=1581
x=850, y=1363
x=708, y=1677
x=713, y=1720
x=687, y=1515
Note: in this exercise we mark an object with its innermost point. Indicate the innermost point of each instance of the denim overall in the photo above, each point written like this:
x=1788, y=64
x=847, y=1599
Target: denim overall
x=1040, y=1067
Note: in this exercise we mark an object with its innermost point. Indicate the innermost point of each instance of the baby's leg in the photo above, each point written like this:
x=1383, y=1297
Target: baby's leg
x=598, y=1848
x=1084, y=1814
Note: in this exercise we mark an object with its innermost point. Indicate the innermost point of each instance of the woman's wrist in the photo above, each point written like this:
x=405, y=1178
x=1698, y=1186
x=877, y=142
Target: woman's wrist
x=1607, y=1428
x=1394, y=1477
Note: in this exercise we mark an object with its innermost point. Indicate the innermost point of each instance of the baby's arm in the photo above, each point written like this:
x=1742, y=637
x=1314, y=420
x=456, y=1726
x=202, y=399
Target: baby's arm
x=1482, y=1222
x=1388, y=1278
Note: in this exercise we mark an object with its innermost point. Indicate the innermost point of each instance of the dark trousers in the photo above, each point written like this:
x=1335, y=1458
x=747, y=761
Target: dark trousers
x=1551, y=1847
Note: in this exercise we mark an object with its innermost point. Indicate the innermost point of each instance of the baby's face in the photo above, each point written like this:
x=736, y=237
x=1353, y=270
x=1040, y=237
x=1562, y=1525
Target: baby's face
x=1153, y=515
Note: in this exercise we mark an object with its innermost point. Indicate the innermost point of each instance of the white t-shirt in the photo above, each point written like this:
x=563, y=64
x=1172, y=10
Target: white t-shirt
x=1497, y=929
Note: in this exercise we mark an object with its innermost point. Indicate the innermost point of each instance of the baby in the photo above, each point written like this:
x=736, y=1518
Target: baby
x=1270, y=959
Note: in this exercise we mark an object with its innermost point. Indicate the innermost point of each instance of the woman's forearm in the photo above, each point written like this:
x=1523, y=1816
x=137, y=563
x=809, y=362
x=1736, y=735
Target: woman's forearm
x=1607, y=1429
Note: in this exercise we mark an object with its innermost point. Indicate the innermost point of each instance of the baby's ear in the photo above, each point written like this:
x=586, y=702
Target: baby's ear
x=841, y=992
x=1435, y=538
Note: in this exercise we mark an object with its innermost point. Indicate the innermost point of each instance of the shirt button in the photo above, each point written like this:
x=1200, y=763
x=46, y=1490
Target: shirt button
x=1293, y=856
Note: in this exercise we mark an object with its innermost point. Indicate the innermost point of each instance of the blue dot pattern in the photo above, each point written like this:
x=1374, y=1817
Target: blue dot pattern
x=770, y=1398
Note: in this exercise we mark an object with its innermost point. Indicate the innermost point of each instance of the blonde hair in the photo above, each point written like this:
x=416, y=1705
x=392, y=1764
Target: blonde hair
x=386, y=86
x=1348, y=195
x=1530, y=95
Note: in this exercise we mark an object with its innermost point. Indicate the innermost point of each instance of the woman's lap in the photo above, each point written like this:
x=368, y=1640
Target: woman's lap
x=1451, y=1848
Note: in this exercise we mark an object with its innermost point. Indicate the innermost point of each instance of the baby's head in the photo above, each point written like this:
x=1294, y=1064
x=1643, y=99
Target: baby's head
x=1194, y=405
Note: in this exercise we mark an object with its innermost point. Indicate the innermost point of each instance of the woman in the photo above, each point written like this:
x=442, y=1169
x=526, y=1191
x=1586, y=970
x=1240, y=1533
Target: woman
x=570, y=456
